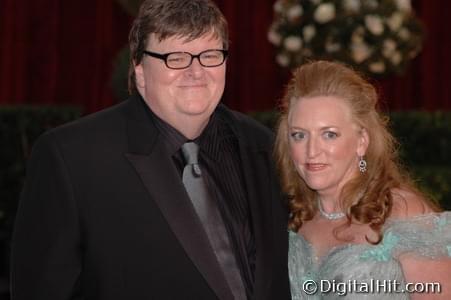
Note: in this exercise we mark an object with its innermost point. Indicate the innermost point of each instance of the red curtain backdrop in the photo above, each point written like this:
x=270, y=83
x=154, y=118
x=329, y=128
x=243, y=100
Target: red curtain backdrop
x=427, y=83
x=61, y=52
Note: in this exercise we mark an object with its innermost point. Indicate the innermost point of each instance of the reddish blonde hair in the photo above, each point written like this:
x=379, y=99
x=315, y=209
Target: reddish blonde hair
x=323, y=78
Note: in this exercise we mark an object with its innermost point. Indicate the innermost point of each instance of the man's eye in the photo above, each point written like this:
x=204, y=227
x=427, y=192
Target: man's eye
x=210, y=56
x=176, y=59
x=297, y=136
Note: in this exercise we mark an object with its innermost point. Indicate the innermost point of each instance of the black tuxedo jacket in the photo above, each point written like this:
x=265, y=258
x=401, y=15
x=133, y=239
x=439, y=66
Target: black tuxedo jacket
x=104, y=215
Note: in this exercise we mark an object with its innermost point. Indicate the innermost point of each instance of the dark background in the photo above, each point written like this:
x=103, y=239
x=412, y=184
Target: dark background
x=63, y=52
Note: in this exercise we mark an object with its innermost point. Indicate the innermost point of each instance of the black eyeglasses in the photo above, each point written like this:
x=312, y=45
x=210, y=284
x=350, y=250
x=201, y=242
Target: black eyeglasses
x=182, y=60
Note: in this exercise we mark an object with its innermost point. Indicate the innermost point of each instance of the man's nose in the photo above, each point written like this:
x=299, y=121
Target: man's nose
x=195, y=69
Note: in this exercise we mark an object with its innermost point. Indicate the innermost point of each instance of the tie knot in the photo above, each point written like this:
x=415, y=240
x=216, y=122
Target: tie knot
x=190, y=152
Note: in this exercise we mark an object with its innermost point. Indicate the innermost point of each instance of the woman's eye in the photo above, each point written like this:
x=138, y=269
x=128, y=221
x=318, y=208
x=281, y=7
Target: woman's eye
x=297, y=136
x=330, y=135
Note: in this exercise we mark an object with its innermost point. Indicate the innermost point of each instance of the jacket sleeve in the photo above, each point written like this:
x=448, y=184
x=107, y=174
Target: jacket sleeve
x=46, y=251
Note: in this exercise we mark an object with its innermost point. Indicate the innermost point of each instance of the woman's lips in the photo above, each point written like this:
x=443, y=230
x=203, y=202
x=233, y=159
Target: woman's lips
x=315, y=166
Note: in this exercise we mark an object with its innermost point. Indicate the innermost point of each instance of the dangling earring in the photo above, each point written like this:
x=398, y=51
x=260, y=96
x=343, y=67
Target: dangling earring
x=362, y=164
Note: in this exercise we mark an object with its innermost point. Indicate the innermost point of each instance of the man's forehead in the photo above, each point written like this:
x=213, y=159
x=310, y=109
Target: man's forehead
x=184, y=38
x=181, y=41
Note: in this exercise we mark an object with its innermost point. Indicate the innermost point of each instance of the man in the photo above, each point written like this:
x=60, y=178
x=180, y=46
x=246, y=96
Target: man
x=115, y=206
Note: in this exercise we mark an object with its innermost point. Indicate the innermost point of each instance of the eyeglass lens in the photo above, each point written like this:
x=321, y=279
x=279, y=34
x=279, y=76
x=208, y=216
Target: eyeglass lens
x=209, y=58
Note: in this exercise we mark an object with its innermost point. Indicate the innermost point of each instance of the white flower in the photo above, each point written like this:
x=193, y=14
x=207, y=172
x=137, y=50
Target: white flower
x=324, y=13
x=396, y=58
x=283, y=60
x=308, y=32
x=404, y=5
x=278, y=6
x=351, y=5
x=404, y=34
x=395, y=21
x=377, y=67
x=374, y=24
x=295, y=12
x=360, y=52
x=293, y=43
x=274, y=37
x=388, y=47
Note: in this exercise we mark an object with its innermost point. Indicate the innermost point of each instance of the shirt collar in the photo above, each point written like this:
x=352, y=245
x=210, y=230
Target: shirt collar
x=210, y=142
x=171, y=136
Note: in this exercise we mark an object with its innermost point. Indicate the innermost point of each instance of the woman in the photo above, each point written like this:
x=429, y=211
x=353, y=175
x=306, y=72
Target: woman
x=359, y=226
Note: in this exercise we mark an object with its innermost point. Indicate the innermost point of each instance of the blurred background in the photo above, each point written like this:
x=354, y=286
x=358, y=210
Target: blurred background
x=60, y=60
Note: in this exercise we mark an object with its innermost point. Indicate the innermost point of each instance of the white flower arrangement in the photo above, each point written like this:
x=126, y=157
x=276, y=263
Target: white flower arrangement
x=378, y=37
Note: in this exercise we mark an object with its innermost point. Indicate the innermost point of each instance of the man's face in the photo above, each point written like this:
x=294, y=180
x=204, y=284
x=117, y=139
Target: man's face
x=181, y=97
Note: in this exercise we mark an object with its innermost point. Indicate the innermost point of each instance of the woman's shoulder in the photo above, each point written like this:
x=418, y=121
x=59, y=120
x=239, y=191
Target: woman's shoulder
x=418, y=226
x=408, y=204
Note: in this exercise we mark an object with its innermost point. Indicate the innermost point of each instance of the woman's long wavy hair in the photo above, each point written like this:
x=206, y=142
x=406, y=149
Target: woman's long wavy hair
x=373, y=188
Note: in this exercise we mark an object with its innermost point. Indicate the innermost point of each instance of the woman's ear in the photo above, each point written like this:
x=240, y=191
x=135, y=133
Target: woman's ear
x=364, y=141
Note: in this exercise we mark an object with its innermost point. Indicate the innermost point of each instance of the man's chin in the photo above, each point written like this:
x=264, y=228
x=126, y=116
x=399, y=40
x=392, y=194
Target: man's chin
x=198, y=113
x=199, y=107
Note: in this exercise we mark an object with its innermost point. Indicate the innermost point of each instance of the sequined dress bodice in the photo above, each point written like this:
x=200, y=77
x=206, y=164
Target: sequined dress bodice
x=362, y=271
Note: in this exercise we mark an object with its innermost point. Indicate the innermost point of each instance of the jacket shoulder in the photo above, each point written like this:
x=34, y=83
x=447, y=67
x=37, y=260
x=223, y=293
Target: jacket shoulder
x=247, y=128
x=100, y=128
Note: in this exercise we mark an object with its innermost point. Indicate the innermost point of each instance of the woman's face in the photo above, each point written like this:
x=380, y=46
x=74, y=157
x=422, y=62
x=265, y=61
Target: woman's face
x=325, y=143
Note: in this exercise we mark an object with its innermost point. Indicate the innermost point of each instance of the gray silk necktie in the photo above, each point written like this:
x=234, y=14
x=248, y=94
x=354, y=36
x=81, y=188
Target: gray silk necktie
x=211, y=219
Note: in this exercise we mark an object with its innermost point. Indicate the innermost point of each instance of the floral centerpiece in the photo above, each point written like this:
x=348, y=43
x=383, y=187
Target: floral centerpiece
x=378, y=37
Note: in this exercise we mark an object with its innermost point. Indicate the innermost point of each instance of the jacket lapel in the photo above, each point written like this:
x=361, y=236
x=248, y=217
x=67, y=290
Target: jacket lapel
x=161, y=179
x=258, y=179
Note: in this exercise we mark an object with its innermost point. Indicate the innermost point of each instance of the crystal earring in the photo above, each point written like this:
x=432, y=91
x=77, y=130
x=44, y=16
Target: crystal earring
x=362, y=164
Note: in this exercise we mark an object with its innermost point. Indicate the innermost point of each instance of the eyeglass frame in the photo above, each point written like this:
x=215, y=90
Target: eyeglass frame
x=164, y=57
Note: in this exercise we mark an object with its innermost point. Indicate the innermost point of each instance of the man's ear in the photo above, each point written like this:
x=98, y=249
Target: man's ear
x=139, y=77
x=364, y=142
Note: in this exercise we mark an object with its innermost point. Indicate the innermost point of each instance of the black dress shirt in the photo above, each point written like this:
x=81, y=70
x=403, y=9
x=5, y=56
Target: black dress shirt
x=219, y=158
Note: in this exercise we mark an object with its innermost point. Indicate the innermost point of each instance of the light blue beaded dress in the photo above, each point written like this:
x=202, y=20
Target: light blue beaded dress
x=362, y=271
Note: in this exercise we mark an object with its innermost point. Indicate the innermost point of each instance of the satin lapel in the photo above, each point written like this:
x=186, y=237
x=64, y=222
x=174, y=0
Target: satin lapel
x=258, y=179
x=160, y=177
